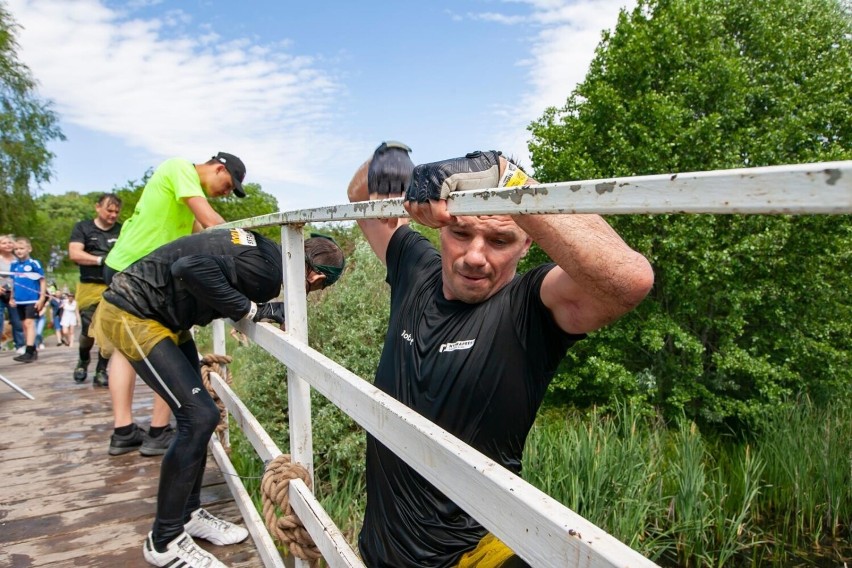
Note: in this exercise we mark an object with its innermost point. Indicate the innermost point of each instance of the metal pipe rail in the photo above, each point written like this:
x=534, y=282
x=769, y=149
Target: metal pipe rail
x=818, y=188
x=535, y=526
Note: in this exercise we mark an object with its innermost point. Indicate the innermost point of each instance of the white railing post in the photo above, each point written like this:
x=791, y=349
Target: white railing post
x=219, y=348
x=219, y=337
x=298, y=391
x=296, y=314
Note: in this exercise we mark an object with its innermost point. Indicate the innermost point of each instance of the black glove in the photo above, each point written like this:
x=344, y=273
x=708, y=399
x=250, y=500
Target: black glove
x=273, y=311
x=390, y=169
x=477, y=170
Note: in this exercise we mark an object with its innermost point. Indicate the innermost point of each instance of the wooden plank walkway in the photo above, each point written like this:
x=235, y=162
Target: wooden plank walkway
x=64, y=501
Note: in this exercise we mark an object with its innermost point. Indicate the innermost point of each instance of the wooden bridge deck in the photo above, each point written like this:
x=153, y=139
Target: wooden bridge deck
x=63, y=500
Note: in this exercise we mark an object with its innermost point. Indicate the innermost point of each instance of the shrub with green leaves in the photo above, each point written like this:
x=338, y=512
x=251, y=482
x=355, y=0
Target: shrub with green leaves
x=746, y=311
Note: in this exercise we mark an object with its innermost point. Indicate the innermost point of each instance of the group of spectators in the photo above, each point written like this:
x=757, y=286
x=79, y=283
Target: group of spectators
x=21, y=299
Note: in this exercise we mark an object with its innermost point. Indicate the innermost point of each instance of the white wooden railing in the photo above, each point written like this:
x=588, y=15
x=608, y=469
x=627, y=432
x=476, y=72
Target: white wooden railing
x=538, y=528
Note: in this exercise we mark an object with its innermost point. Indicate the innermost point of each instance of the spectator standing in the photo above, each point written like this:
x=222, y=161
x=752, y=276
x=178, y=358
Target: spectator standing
x=55, y=300
x=29, y=295
x=68, y=322
x=7, y=257
x=91, y=241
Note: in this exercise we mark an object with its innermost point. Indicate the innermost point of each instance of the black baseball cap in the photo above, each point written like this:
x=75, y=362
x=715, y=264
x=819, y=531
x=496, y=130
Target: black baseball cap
x=236, y=168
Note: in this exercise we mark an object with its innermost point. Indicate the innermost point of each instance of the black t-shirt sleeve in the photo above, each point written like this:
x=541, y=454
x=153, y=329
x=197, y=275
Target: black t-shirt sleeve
x=408, y=254
x=544, y=335
x=77, y=234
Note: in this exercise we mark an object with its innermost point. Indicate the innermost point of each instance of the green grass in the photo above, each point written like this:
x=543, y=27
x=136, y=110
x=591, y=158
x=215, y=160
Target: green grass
x=782, y=500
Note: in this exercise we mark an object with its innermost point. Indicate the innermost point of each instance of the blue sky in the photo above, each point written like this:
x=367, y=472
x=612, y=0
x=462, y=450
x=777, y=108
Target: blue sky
x=301, y=91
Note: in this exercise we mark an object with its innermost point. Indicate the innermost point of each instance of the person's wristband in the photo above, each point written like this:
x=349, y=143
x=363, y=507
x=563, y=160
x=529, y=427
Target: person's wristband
x=252, y=312
x=100, y=261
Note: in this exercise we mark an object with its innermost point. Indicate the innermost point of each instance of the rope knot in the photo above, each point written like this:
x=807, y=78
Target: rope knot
x=282, y=522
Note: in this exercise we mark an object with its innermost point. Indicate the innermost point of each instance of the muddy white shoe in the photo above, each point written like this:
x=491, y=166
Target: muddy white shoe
x=204, y=525
x=182, y=552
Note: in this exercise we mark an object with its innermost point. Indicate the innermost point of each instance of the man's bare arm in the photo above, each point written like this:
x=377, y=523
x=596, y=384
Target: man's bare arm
x=81, y=257
x=598, y=278
x=204, y=213
x=378, y=232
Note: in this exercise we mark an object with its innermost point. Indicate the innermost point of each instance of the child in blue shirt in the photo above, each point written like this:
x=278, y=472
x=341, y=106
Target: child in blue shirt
x=28, y=295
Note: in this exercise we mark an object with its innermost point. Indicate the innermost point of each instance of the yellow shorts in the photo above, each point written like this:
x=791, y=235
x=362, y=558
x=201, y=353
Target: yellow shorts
x=117, y=330
x=89, y=294
x=489, y=553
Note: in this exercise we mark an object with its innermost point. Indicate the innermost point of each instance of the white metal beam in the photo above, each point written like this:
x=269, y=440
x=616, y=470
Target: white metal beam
x=818, y=188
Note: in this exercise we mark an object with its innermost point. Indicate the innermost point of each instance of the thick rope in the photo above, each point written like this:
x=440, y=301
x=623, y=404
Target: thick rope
x=212, y=363
x=282, y=523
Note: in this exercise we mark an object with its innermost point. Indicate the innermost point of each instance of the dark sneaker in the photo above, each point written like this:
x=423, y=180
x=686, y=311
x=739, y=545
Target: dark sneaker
x=81, y=371
x=182, y=552
x=27, y=357
x=157, y=446
x=211, y=528
x=122, y=444
x=101, y=378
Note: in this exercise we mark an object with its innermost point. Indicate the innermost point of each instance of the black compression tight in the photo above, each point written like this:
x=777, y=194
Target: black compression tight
x=173, y=372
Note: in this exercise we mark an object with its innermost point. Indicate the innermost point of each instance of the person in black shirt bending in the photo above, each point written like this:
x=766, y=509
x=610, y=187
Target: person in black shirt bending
x=471, y=345
x=146, y=314
x=90, y=242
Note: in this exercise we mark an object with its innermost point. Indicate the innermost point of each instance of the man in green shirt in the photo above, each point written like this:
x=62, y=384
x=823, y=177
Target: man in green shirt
x=173, y=204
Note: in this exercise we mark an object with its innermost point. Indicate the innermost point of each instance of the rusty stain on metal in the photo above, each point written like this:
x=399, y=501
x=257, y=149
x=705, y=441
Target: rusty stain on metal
x=833, y=175
x=517, y=195
x=605, y=187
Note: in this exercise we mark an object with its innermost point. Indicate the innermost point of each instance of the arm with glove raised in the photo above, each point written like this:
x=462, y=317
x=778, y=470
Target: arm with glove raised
x=432, y=183
x=386, y=174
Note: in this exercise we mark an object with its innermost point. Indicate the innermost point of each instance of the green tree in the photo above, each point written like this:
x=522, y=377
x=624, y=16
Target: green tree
x=746, y=310
x=255, y=203
x=55, y=217
x=27, y=124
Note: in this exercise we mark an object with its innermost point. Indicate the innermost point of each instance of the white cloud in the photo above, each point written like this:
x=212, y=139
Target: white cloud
x=567, y=34
x=173, y=87
x=169, y=84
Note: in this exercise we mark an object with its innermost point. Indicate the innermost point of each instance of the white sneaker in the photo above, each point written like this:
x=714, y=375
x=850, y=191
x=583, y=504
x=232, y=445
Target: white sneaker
x=204, y=525
x=182, y=551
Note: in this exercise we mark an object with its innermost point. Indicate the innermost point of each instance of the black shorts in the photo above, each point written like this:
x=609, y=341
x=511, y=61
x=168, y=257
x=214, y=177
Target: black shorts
x=27, y=311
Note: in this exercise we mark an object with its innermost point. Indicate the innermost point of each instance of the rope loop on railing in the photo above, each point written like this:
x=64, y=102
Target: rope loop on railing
x=282, y=522
x=212, y=363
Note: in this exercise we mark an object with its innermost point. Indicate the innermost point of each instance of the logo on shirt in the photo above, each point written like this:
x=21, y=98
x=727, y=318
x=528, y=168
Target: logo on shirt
x=408, y=337
x=456, y=345
x=242, y=237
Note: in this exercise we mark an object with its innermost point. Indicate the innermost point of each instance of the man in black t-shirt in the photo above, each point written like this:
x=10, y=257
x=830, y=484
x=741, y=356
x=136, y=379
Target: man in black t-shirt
x=90, y=242
x=471, y=345
x=146, y=314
